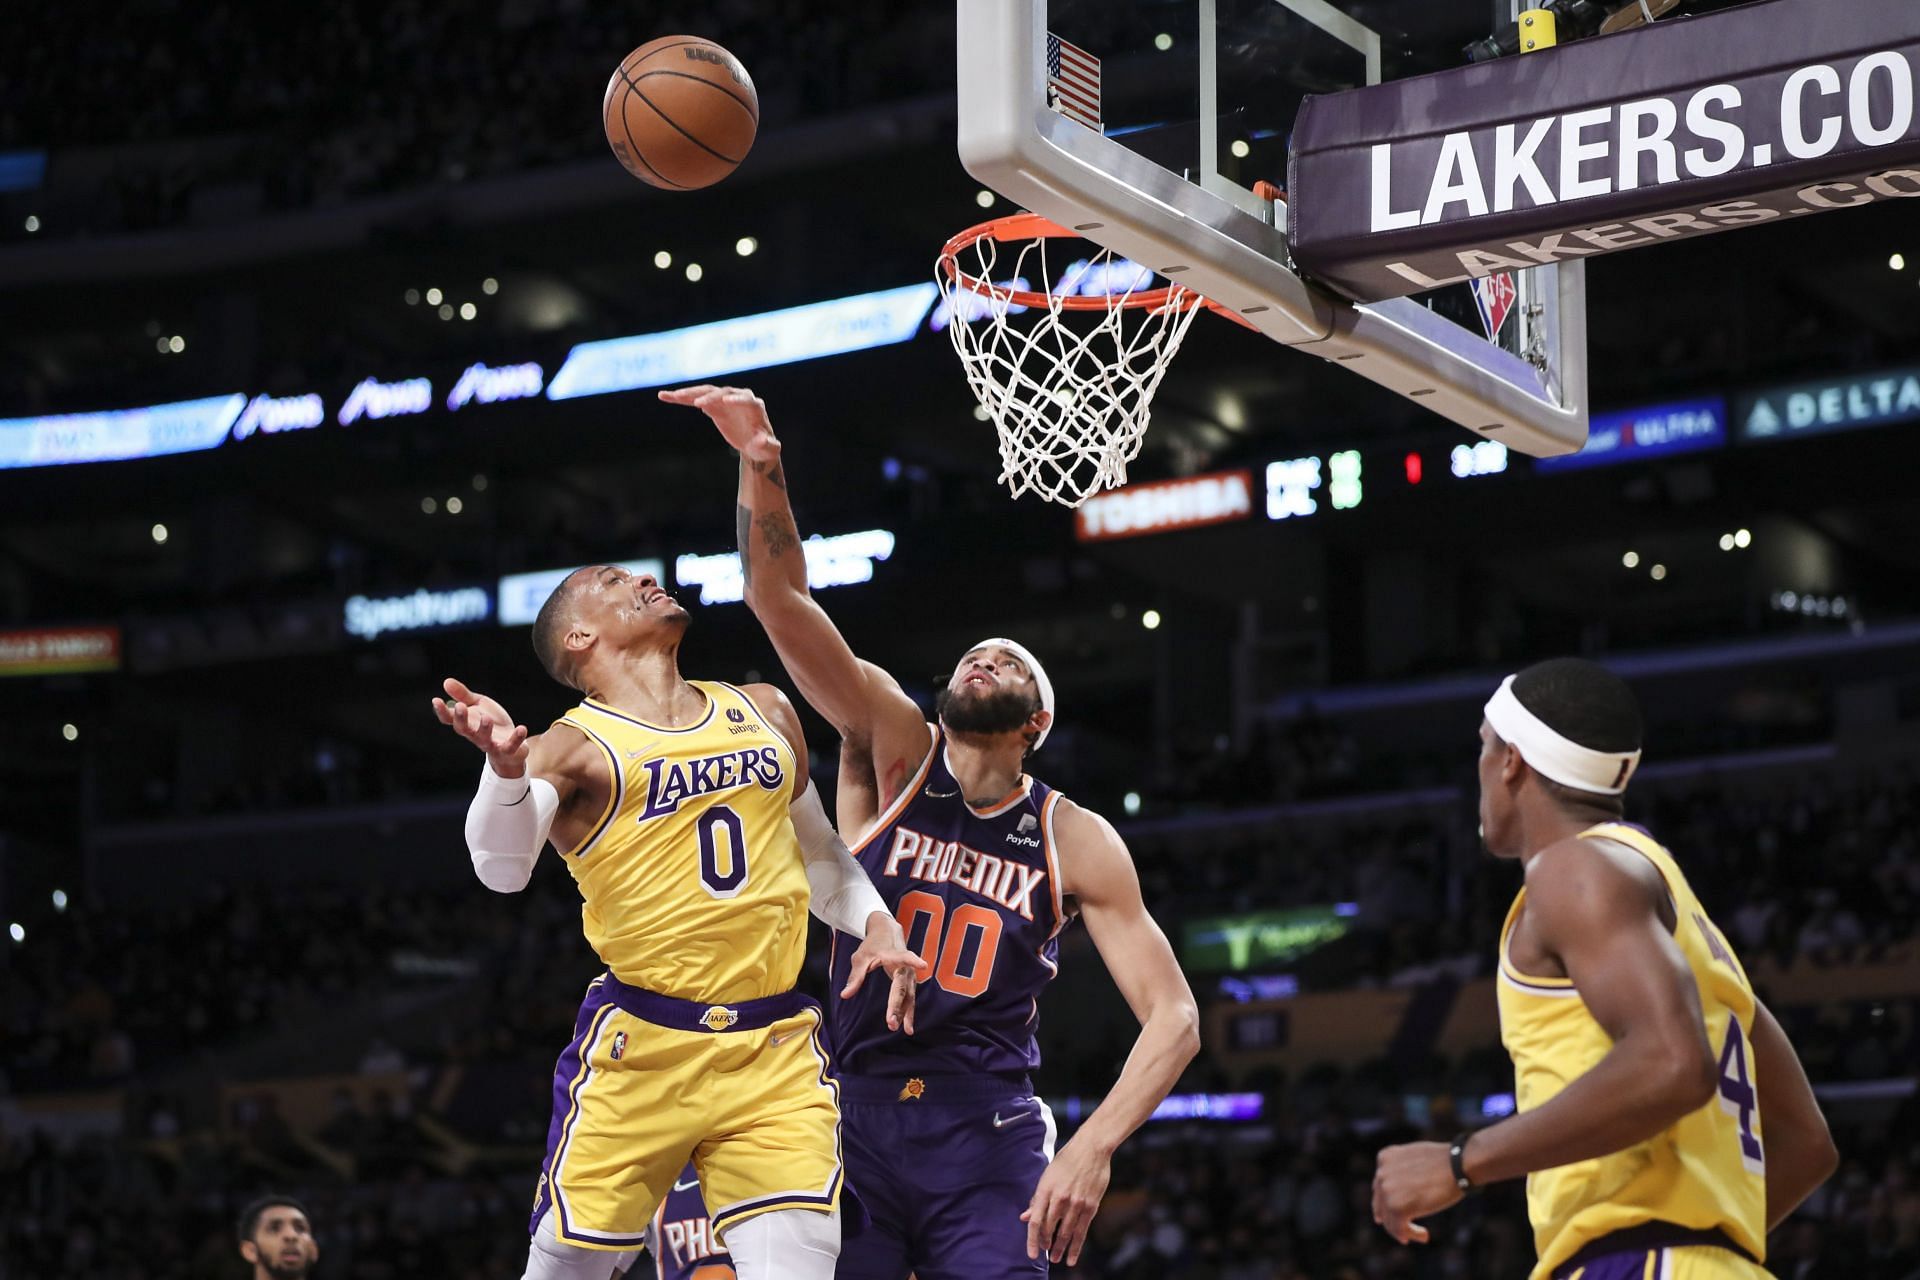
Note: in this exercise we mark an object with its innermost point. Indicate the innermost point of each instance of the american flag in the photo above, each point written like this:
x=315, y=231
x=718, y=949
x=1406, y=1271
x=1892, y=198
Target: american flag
x=1073, y=82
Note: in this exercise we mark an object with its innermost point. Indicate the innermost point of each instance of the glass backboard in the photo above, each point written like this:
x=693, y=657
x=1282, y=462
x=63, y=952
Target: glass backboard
x=1150, y=126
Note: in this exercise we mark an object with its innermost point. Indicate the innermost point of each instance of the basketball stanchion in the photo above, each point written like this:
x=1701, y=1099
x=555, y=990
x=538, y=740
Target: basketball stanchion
x=1065, y=366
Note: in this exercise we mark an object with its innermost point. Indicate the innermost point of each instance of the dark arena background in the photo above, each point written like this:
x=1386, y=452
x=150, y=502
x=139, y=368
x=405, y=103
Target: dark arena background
x=330, y=334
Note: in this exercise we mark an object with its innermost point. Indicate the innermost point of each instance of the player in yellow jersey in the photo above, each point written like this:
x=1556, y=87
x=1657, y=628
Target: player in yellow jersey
x=1664, y=1123
x=684, y=811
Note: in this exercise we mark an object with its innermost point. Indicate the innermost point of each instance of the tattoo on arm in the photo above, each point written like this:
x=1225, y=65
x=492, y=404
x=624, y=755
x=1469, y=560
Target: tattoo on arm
x=777, y=529
x=775, y=474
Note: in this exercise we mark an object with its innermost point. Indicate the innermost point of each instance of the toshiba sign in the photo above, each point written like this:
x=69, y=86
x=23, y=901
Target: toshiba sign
x=57, y=651
x=1165, y=506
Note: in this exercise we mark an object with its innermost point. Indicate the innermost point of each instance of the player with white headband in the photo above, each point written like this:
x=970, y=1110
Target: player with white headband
x=1664, y=1124
x=984, y=865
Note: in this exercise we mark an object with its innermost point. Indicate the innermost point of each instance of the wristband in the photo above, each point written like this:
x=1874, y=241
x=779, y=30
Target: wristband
x=1457, y=1160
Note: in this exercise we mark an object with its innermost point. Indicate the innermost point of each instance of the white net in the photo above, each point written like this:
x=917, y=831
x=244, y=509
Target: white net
x=1067, y=383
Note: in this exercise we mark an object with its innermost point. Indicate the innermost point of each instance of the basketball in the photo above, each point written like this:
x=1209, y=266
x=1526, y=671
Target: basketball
x=680, y=113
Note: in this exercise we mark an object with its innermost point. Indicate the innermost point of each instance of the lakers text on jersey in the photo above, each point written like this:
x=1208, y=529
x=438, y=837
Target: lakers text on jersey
x=1699, y=1184
x=693, y=879
x=694, y=1044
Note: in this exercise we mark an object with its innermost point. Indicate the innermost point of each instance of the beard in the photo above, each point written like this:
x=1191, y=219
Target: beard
x=281, y=1269
x=1002, y=711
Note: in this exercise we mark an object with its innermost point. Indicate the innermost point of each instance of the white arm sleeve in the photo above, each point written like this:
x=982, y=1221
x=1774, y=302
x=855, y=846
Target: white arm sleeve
x=507, y=826
x=843, y=897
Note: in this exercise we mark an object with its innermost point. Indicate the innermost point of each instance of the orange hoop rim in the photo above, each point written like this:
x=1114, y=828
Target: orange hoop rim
x=1031, y=226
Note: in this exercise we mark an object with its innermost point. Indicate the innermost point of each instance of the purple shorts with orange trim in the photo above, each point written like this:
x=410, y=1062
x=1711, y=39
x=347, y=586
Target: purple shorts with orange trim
x=945, y=1165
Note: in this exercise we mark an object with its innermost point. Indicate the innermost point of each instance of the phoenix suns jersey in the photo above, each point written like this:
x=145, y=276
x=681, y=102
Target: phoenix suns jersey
x=977, y=892
x=681, y=1238
x=693, y=879
x=1708, y=1170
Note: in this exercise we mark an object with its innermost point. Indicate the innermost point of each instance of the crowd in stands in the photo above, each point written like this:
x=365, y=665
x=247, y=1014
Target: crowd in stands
x=1286, y=1199
x=432, y=1160
x=289, y=107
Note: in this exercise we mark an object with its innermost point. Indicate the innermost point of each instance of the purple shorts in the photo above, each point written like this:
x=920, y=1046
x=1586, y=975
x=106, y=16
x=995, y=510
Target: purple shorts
x=945, y=1165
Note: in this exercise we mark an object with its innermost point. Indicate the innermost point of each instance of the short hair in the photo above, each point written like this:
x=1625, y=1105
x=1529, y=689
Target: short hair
x=1587, y=704
x=550, y=630
x=250, y=1216
x=1583, y=702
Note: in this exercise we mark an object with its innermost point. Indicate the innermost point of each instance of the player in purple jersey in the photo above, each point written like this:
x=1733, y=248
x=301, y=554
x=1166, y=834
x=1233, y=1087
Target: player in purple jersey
x=681, y=1240
x=983, y=866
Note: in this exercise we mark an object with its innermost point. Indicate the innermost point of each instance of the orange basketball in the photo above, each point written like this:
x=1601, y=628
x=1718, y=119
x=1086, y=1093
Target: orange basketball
x=680, y=112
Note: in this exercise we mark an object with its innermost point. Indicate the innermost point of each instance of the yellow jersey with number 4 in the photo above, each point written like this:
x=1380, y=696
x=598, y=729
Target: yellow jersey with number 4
x=693, y=879
x=1707, y=1171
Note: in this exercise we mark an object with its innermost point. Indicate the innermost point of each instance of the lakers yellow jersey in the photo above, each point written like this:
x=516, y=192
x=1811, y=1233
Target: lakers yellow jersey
x=1707, y=1170
x=694, y=882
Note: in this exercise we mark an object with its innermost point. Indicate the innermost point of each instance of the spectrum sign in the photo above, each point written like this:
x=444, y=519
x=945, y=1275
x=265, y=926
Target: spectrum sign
x=372, y=617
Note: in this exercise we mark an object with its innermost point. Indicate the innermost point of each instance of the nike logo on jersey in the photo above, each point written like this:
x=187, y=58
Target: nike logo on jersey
x=1018, y=1115
x=774, y=1042
x=686, y=1186
x=931, y=794
x=920, y=857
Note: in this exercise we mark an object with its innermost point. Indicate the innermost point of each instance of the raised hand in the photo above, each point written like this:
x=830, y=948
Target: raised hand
x=486, y=724
x=740, y=415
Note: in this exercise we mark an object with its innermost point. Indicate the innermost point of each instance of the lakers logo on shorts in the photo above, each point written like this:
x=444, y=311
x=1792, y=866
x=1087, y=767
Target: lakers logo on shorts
x=719, y=1018
x=914, y=1090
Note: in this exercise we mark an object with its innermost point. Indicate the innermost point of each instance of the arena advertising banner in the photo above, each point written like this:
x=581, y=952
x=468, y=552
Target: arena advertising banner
x=1683, y=128
x=1260, y=939
x=370, y=617
x=520, y=595
x=1164, y=506
x=1653, y=432
x=719, y=349
x=1833, y=404
x=47, y=651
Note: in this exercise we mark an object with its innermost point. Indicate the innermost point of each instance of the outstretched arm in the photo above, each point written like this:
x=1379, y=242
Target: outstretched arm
x=860, y=700
x=1097, y=870
x=1800, y=1153
x=1604, y=925
x=527, y=782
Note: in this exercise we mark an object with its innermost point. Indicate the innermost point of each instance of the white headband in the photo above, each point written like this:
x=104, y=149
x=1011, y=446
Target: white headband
x=1551, y=755
x=1038, y=672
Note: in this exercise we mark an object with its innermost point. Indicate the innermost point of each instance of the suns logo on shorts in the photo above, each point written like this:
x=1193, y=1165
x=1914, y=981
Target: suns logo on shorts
x=719, y=1018
x=619, y=1045
x=914, y=1090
